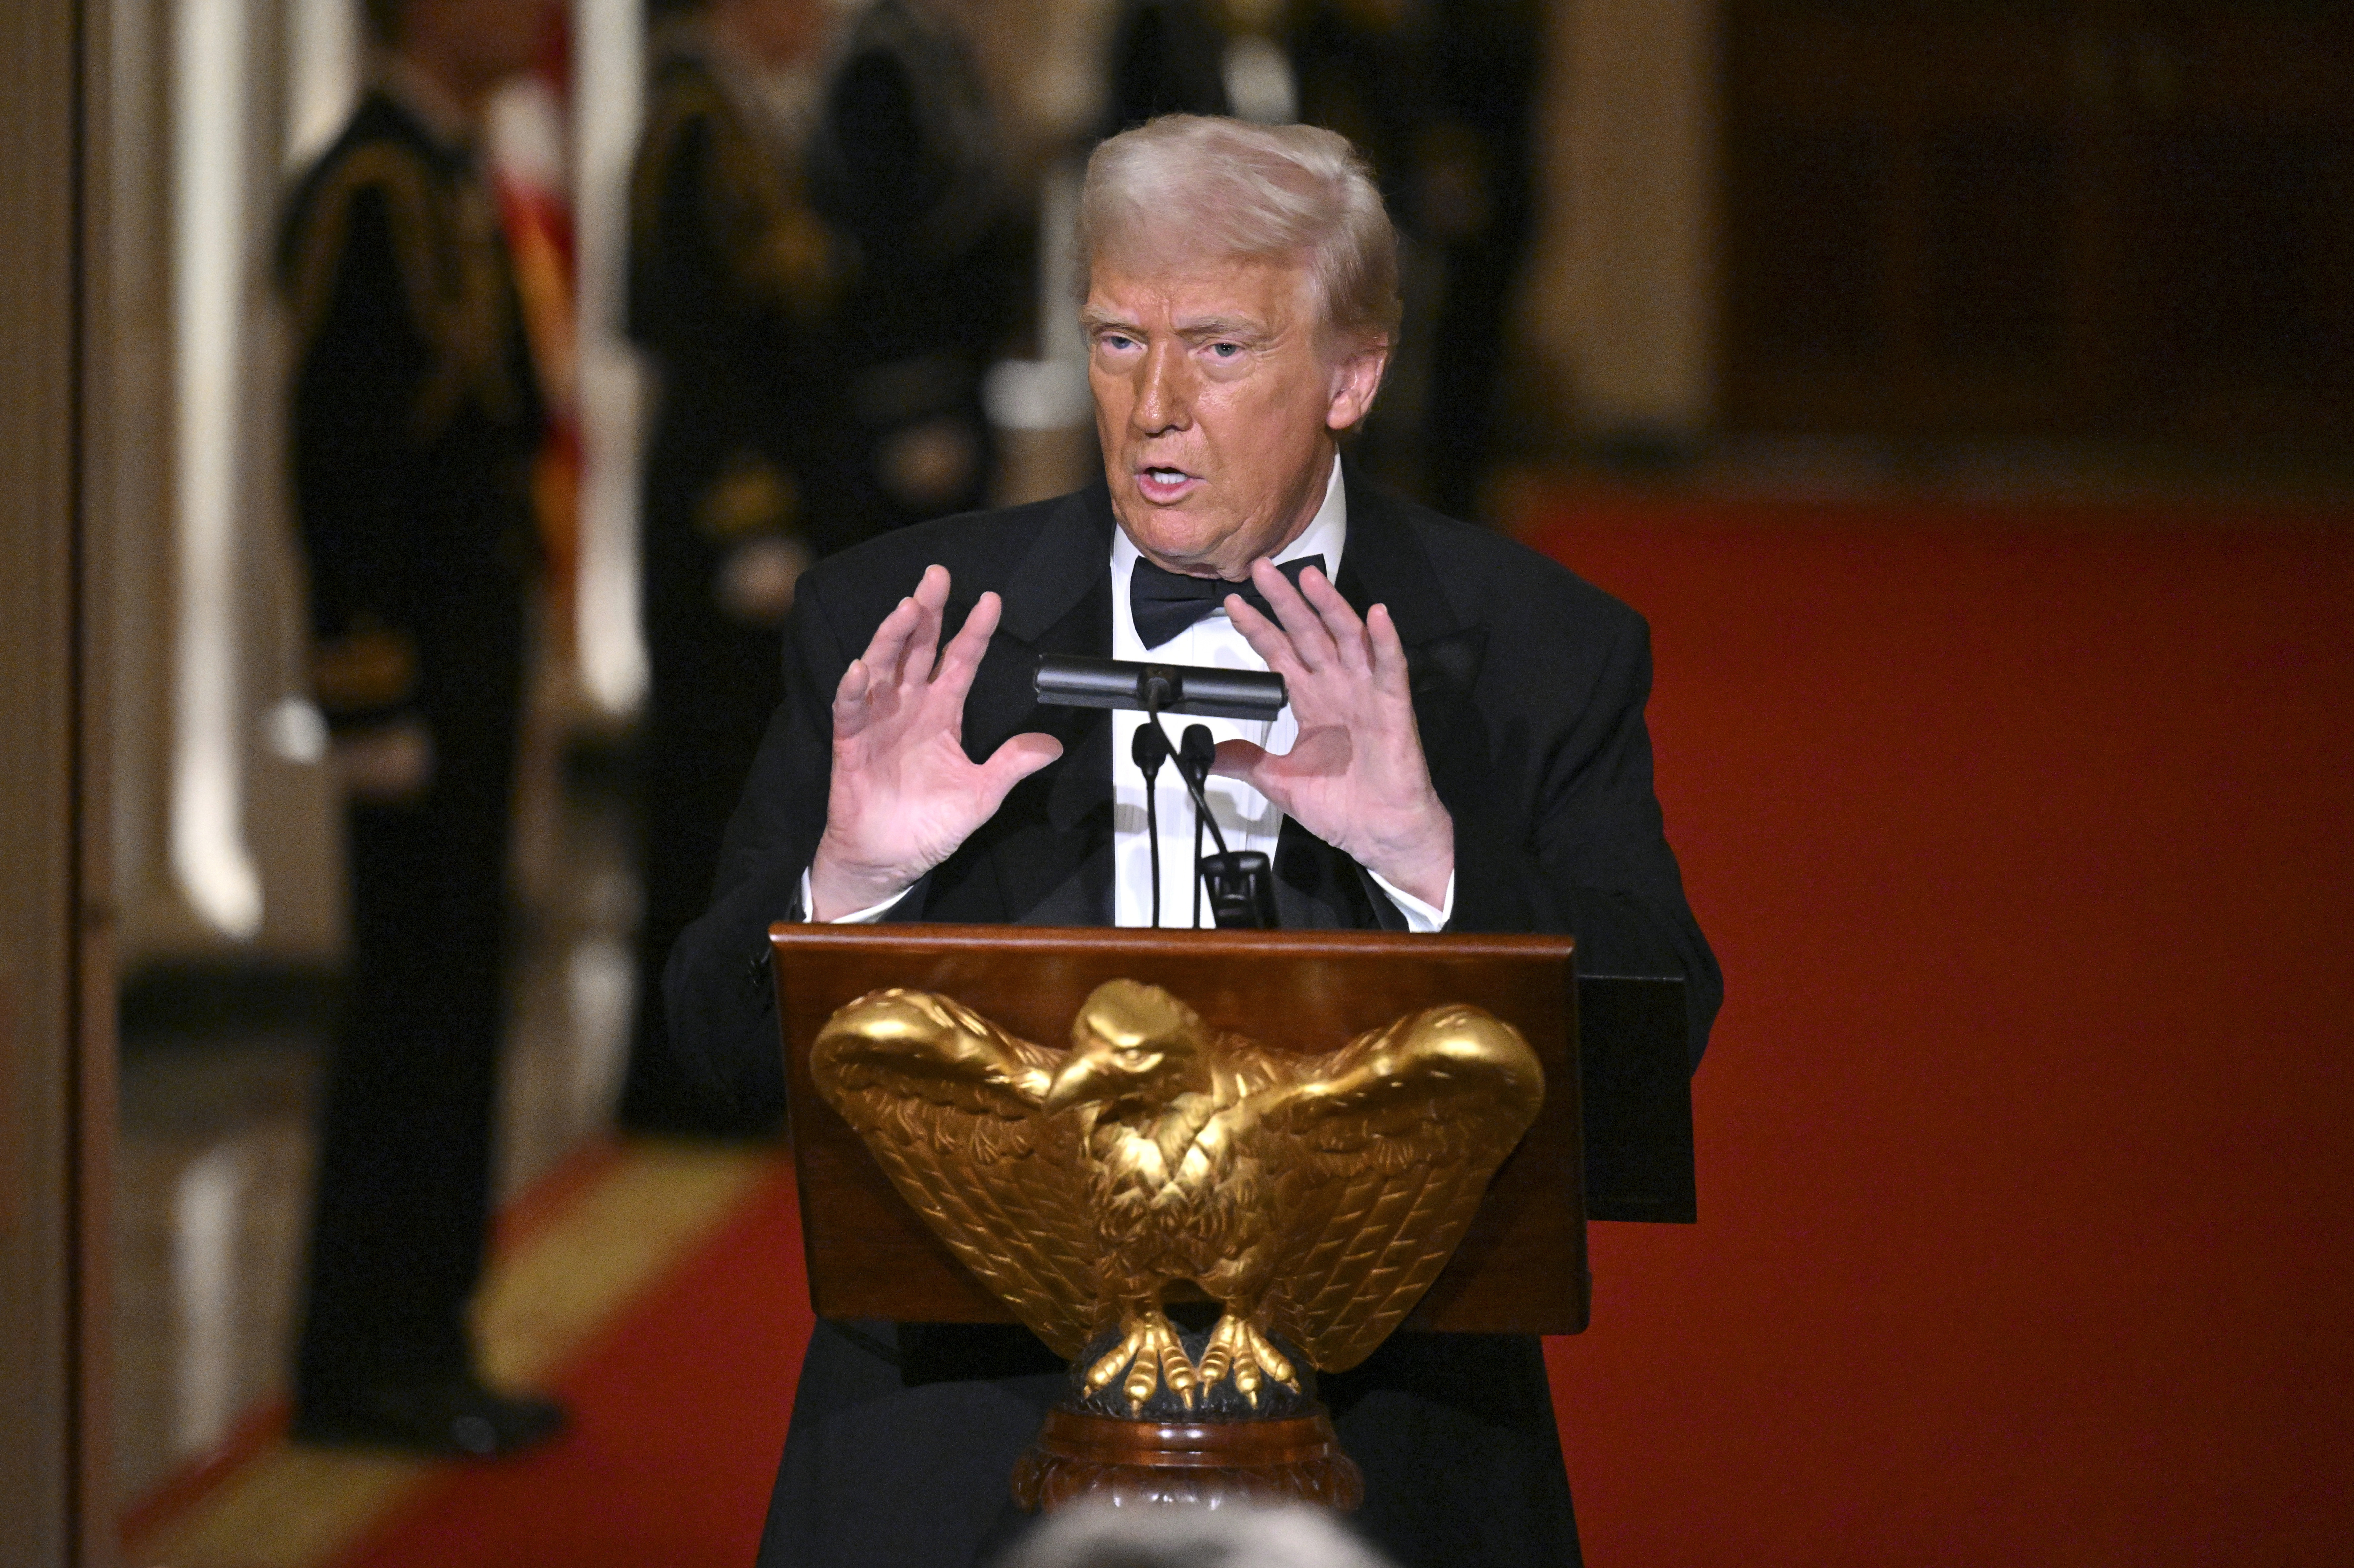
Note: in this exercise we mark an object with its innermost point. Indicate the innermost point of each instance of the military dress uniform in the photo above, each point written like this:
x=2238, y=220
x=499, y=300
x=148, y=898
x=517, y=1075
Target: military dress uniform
x=1440, y=95
x=415, y=418
x=905, y=164
x=733, y=282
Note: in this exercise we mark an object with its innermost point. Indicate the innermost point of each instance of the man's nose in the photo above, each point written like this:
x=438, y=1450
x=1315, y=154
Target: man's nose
x=1164, y=392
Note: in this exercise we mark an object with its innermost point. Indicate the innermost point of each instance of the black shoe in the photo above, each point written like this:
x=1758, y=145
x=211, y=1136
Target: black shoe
x=457, y=1418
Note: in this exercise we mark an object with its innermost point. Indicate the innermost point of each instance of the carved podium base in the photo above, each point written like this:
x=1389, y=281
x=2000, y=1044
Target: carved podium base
x=1298, y=1458
x=1218, y=1447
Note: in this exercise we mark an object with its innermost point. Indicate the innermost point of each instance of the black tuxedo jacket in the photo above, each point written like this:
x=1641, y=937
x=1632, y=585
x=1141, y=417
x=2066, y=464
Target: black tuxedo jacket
x=1529, y=686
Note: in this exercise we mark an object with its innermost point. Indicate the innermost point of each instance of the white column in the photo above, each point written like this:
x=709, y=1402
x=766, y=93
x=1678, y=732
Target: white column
x=608, y=104
x=209, y=856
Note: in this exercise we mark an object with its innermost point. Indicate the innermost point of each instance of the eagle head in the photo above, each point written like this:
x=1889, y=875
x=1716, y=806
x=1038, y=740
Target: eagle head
x=1132, y=1046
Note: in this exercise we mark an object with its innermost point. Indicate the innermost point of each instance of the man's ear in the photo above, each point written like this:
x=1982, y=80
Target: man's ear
x=1355, y=381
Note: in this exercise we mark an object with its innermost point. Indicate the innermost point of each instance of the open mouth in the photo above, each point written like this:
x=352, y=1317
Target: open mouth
x=1162, y=483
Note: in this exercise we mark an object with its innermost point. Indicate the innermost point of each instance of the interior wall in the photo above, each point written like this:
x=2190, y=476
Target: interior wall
x=1621, y=297
x=52, y=1046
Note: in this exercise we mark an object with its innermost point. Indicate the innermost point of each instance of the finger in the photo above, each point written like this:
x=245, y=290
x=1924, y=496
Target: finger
x=930, y=598
x=1388, y=650
x=932, y=588
x=1241, y=759
x=1298, y=619
x=1266, y=639
x=850, y=710
x=889, y=644
x=1338, y=618
x=962, y=660
x=1013, y=762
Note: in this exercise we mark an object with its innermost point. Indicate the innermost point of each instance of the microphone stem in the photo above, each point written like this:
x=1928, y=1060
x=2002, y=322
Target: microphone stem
x=1198, y=873
x=1200, y=802
x=1153, y=835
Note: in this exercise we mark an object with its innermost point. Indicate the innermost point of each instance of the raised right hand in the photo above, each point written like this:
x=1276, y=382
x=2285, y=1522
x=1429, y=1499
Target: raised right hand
x=903, y=794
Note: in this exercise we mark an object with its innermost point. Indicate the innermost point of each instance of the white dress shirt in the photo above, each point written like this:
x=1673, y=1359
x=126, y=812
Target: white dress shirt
x=1247, y=818
x=1243, y=814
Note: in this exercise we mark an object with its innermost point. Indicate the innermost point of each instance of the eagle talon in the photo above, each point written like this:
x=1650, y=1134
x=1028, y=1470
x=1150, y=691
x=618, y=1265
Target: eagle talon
x=1239, y=1351
x=1149, y=1353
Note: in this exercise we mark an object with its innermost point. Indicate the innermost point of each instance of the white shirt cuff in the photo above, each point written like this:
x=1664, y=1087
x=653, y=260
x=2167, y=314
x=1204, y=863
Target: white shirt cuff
x=875, y=912
x=1420, y=916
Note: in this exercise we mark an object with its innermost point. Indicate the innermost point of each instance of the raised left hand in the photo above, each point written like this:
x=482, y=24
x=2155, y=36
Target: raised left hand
x=1356, y=776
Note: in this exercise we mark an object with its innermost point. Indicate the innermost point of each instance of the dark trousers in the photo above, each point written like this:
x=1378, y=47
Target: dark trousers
x=1454, y=1432
x=402, y=1207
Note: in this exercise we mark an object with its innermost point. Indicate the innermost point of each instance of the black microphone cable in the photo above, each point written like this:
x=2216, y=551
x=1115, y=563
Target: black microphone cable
x=1241, y=891
x=1197, y=874
x=1154, y=694
x=1151, y=749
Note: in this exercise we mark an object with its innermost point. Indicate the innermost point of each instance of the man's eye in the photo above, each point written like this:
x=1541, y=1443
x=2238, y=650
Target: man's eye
x=1116, y=341
x=1225, y=349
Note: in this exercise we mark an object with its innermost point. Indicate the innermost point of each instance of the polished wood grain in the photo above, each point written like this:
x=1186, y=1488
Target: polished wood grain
x=1520, y=1268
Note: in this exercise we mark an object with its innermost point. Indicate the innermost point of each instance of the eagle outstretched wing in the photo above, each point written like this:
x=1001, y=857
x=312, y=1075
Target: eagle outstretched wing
x=950, y=1105
x=1388, y=1145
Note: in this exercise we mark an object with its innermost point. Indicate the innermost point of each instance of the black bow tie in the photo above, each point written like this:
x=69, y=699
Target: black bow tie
x=1165, y=603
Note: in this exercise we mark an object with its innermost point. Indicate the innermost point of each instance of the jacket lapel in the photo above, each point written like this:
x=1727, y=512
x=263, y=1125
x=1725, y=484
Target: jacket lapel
x=1046, y=858
x=1385, y=564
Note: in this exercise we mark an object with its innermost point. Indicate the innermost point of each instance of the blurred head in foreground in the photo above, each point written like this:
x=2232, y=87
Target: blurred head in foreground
x=1100, y=1536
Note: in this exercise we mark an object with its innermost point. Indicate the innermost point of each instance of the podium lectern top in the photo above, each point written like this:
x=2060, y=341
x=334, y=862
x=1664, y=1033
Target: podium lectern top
x=1520, y=1268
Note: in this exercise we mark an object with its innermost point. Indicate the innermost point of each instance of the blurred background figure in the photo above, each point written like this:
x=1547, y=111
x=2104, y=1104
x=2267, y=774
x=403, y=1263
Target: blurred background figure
x=1168, y=57
x=1441, y=95
x=734, y=284
x=907, y=166
x=1471, y=205
x=1084, y=1536
x=822, y=265
x=415, y=419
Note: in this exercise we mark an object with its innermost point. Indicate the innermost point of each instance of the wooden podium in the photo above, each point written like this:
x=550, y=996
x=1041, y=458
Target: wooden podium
x=1520, y=1267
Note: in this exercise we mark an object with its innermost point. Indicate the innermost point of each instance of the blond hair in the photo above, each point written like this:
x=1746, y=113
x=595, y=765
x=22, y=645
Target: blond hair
x=1196, y=185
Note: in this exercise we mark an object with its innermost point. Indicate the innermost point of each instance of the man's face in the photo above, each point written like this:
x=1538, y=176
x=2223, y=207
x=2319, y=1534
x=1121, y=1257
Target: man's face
x=1215, y=406
x=482, y=41
x=778, y=33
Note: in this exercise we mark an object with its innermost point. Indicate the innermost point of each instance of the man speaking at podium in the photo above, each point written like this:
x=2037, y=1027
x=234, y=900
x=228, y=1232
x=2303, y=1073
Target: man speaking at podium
x=1464, y=750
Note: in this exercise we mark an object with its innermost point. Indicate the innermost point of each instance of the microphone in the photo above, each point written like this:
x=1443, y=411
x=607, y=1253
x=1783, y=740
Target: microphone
x=1194, y=757
x=1065, y=680
x=1151, y=749
x=1195, y=752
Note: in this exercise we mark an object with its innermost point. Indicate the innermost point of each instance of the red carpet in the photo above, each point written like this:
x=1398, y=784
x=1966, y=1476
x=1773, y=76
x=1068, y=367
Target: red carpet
x=2026, y=1190
x=679, y=1416
x=2026, y=843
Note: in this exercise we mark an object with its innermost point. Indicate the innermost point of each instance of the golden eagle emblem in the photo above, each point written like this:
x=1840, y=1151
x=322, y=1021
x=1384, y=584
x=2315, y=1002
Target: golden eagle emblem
x=1314, y=1198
